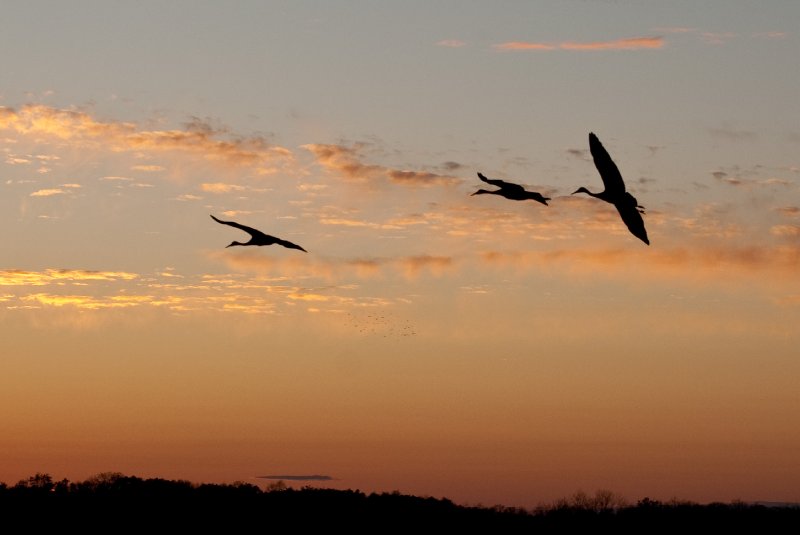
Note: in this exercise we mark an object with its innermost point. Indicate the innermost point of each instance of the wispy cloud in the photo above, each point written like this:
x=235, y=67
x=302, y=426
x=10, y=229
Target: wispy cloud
x=699, y=262
x=733, y=134
x=346, y=161
x=16, y=277
x=789, y=211
x=88, y=302
x=786, y=231
x=717, y=38
x=578, y=153
x=197, y=136
x=634, y=43
x=675, y=29
x=148, y=168
x=409, y=267
x=771, y=35
x=747, y=178
x=345, y=222
x=524, y=45
x=451, y=43
x=48, y=192
x=219, y=187
x=452, y=166
x=436, y=265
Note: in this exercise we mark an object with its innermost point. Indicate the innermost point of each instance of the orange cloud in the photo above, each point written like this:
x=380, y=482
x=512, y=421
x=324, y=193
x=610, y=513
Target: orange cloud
x=634, y=43
x=789, y=211
x=357, y=223
x=699, y=262
x=198, y=137
x=786, y=231
x=346, y=162
x=148, y=168
x=436, y=265
x=219, y=187
x=188, y=197
x=420, y=178
x=410, y=267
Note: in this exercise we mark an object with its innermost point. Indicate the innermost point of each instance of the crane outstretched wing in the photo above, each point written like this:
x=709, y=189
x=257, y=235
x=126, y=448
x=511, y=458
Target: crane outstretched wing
x=289, y=245
x=502, y=184
x=612, y=179
x=632, y=218
x=249, y=230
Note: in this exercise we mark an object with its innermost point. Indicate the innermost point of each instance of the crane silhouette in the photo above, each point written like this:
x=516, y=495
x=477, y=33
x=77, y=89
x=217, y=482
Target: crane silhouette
x=257, y=237
x=626, y=204
x=509, y=190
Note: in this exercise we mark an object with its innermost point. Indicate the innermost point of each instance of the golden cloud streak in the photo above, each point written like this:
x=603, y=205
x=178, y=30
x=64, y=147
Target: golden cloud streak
x=148, y=168
x=47, y=192
x=198, y=138
x=634, y=43
x=85, y=301
x=14, y=277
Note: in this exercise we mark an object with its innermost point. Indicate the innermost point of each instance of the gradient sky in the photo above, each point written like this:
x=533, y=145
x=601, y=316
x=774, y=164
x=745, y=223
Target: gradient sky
x=430, y=342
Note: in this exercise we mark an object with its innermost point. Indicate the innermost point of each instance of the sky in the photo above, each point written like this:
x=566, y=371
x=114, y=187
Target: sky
x=430, y=341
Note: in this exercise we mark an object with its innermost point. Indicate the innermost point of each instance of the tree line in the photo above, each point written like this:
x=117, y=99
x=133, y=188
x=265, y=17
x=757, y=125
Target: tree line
x=113, y=501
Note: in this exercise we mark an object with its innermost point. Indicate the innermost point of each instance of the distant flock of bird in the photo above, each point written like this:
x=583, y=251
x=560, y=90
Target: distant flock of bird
x=614, y=193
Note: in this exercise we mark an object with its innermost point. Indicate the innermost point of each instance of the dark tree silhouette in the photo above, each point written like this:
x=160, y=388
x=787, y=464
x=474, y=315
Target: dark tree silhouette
x=115, y=502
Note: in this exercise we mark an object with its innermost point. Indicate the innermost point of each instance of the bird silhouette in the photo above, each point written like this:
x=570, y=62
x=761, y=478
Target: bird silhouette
x=257, y=237
x=626, y=204
x=512, y=191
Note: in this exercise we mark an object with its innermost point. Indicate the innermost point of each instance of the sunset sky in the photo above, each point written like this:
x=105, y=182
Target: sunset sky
x=431, y=342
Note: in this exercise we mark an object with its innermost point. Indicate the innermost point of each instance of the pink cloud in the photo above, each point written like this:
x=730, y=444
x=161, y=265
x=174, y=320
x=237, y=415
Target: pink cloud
x=522, y=45
x=634, y=43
